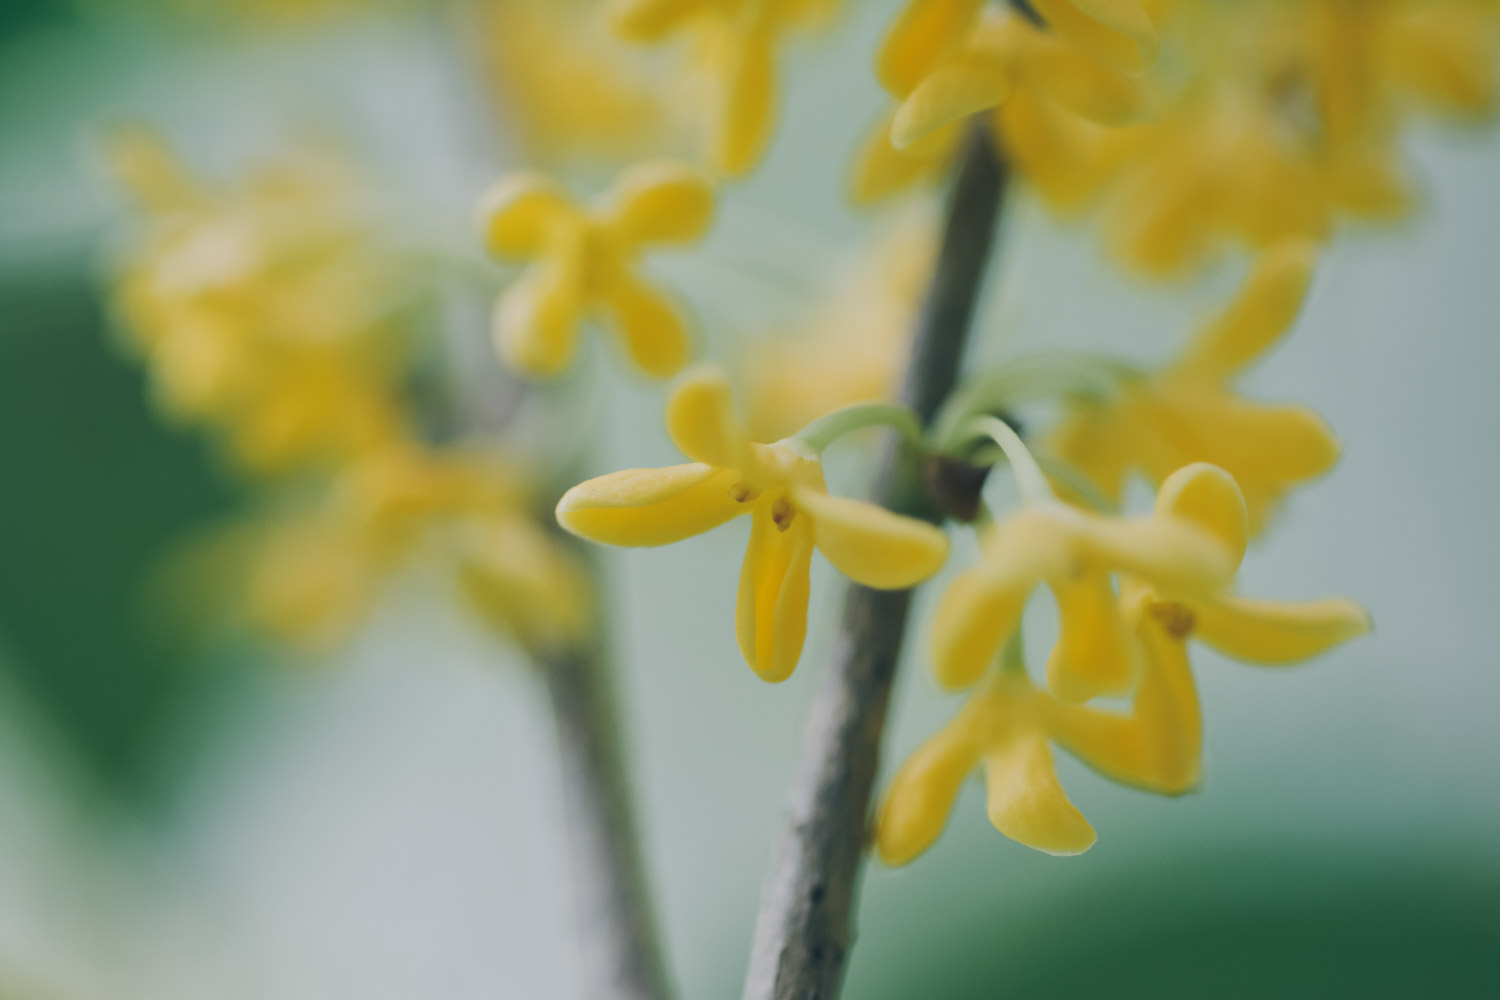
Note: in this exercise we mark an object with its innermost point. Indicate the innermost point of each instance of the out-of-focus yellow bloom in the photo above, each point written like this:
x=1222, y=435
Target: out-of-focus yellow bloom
x=781, y=487
x=1156, y=746
x=736, y=43
x=565, y=87
x=261, y=310
x=1076, y=553
x=853, y=344
x=584, y=264
x=463, y=513
x=1188, y=412
x=1117, y=33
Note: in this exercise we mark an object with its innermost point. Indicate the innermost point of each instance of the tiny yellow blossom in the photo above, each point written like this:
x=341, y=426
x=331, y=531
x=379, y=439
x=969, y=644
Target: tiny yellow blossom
x=1188, y=413
x=1076, y=553
x=781, y=487
x=737, y=43
x=584, y=263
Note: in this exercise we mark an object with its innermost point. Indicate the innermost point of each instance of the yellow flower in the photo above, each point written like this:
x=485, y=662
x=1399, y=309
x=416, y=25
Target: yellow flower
x=851, y=348
x=584, y=263
x=1117, y=33
x=737, y=44
x=781, y=487
x=1188, y=413
x=1157, y=746
x=1076, y=553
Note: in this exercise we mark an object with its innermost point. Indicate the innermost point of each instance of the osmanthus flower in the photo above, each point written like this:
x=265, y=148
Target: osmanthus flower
x=1188, y=412
x=736, y=44
x=464, y=515
x=1008, y=724
x=584, y=263
x=781, y=488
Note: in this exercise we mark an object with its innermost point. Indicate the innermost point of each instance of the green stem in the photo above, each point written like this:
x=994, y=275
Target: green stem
x=1034, y=377
x=827, y=429
x=1029, y=476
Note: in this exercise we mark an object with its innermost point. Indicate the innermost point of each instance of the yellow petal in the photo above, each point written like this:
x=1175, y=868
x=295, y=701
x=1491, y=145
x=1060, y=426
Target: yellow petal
x=1265, y=308
x=1174, y=556
x=881, y=170
x=968, y=84
x=702, y=423
x=1085, y=88
x=536, y=320
x=871, y=545
x=972, y=620
x=650, y=20
x=1026, y=802
x=921, y=796
x=749, y=104
x=1092, y=657
x=650, y=506
x=518, y=213
x=651, y=329
x=661, y=202
x=1278, y=632
x=1209, y=497
x=771, y=620
x=1105, y=30
x=924, y=32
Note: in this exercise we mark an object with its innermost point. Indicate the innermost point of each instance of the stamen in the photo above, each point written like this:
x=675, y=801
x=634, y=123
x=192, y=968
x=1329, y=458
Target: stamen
x=782, y=512
x=1177, y=619
x=743, y=492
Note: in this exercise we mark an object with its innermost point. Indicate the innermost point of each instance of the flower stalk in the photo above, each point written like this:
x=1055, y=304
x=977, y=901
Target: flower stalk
x=804, y=930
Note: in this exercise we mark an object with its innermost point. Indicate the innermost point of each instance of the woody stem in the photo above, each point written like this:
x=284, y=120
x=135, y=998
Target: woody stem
x=803, y=932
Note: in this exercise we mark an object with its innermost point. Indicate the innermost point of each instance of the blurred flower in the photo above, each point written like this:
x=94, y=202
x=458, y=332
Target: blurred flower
x=1076, y=553
x=1187, y=412
x=736, y=45
x=584, y=263
x=781, y=487
x=262, y=311
x=852, y=347
x=565, y=88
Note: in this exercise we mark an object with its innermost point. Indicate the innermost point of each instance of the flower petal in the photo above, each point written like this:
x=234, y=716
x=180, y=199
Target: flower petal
x=1265, y=308
x=924, y=32
x=1092, y=657
x=650, y=20
x=1208, y=497
x=661, y=202
x=1117, y=33
x=1175, y=556
x=1084, y=87
x=881, y=170
x=972, y=620
x=653, y=332
x=870, y=544
x=702, y=423
x=650, y=506
x=921, y=796
x=749, y=102
x=969, y=83
x=1026, y=802
x=518, y=212
x=771, y=620
x=1278, y=632
x=536, y=320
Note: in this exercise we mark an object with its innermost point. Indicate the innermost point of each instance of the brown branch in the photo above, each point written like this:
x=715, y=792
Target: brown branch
x=803, y=933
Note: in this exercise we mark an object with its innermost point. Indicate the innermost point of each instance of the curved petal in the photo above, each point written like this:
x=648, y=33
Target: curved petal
x=870, y=544
x=517, y=214
x=1086, y=88
x=662, y=202
x=1026, y=802
x=536, y=320
x=1278, y=632
x=1175, y=556
x=881, y=170
x=1266, y=307
x=650, y=20
x=1092, y=657
x=702, y=423
x=1208, y=497
x=971, y=622
x=653, y=332
x=924, y=32
x=1105, y=30
x=650, y=506
x=921, y=796
x=963, y=86
x=749, y=103
x=771, y=620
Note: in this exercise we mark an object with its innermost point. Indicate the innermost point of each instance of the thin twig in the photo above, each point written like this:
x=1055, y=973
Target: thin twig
x=803, y=933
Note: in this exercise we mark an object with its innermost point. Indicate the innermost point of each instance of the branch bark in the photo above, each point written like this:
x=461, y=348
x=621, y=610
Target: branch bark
x=804, y=929
x=619, y=951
